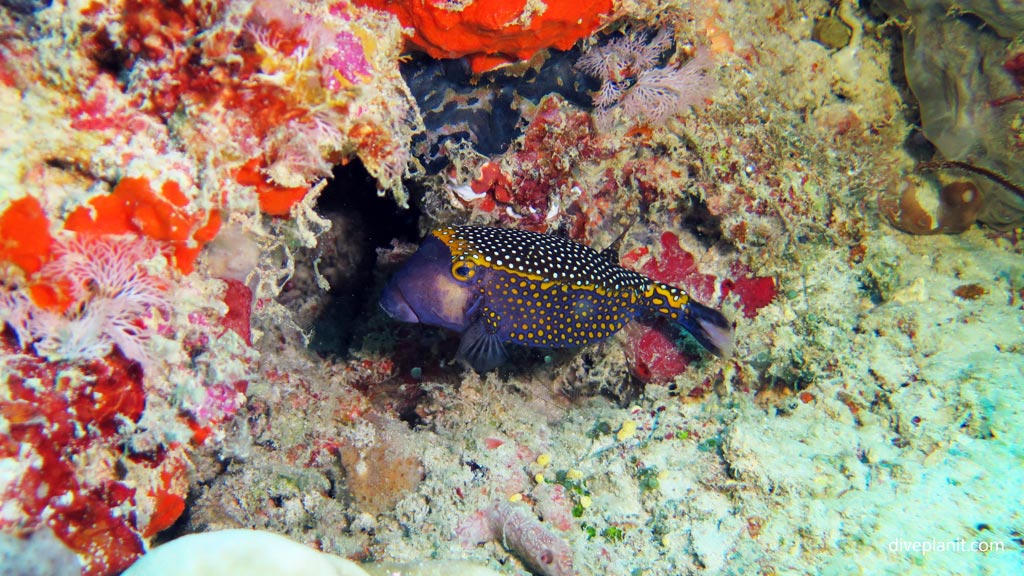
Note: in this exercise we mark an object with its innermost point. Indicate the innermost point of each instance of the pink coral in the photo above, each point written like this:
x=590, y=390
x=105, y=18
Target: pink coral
x=346, y=61
x=222, y=400
x=523, y=535
x=626, y=56
x=631, y=82
x=663, y=92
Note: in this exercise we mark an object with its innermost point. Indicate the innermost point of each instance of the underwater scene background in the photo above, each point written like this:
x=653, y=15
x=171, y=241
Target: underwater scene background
x=203, y=202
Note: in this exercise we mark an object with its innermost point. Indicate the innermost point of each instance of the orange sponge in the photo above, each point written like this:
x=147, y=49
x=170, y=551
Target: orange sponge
x=25, y=235
x=134, y=207
x=274, y=200
x=494, y=32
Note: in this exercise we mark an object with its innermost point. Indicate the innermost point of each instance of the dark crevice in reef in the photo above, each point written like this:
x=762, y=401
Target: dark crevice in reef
x=705, y=226
x=353, y=191
x=486, y=109
x=362, y=221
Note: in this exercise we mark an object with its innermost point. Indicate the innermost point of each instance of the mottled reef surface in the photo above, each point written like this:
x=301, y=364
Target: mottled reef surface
x=762, y=155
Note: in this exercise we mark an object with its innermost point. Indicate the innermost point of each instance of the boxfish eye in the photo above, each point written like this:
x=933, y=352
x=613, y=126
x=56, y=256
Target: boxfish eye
x=463, y=270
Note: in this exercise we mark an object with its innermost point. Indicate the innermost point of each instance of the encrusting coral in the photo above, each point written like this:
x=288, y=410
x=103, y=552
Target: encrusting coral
x=164, y=218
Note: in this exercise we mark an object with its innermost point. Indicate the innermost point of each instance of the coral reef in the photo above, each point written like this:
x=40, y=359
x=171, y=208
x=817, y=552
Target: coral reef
x=93, y=295
x=541, y=550
x=191, y=340
x=485, y=110
x=70, y=469
x=376, y=477
x=41, y=554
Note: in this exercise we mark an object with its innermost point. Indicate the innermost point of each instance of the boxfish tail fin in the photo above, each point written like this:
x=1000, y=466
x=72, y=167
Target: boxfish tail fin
x=481, y=348
x=709, y=326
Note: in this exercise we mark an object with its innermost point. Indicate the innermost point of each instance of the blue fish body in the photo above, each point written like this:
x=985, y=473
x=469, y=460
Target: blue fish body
x=498, y=286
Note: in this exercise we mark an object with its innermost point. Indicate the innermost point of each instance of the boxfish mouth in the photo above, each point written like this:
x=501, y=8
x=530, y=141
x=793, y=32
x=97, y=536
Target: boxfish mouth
x=394, y=303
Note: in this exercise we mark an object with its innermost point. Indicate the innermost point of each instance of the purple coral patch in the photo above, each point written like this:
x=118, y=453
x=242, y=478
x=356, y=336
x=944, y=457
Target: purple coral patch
x=347, y=60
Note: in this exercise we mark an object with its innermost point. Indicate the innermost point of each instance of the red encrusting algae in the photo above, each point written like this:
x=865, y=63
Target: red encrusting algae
x=544, y=178
x=656, y=357
x=56, y=413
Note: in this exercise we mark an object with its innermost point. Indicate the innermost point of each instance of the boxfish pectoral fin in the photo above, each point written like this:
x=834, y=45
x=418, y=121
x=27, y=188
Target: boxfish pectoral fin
x=481, y=348
x=709, y=326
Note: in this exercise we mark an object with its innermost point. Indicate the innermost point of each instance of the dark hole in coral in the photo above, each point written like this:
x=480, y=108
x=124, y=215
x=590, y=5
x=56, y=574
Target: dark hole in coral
x=411, y=416
x=108, y=56
x=60, y=164
x=362, y=221
x=705, y=226
x=869, y=7
x=918, y=146
x=335, y=489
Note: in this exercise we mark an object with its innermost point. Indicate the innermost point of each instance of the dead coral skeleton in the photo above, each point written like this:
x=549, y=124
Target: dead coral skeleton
x=632, y=82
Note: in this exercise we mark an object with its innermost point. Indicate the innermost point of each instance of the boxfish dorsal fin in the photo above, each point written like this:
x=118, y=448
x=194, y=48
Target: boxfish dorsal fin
x=611, y=253
x=480, y=347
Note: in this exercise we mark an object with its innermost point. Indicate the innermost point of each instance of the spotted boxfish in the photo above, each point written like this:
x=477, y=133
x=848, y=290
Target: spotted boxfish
x=498, y=286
